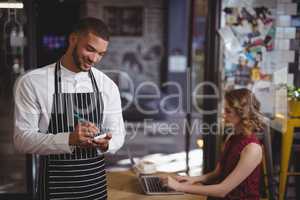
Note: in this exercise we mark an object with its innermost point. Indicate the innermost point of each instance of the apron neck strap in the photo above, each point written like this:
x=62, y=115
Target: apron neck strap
x=57, y=79
x=94, y=82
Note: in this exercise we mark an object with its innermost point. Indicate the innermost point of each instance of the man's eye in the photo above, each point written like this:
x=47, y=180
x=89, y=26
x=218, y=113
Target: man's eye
x=90, y=49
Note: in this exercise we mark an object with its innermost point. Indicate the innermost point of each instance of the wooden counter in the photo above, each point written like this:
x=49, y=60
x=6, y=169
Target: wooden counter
x=125, y=186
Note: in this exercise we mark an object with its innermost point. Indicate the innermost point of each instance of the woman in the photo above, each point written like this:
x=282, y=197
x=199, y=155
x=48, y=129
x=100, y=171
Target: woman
x=237, y=174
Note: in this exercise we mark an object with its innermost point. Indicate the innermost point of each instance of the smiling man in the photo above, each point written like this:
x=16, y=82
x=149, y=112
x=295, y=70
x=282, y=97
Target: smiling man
x=59, y=111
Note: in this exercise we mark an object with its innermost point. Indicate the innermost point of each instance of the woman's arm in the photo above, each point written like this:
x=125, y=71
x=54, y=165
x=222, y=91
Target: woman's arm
x=204, y=179
x=209, y=177
x=250, y=158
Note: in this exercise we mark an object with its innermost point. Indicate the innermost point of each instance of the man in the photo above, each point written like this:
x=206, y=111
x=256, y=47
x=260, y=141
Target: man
x=61, y=107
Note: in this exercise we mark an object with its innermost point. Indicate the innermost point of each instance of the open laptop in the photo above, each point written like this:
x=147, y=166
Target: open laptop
x=150, y=184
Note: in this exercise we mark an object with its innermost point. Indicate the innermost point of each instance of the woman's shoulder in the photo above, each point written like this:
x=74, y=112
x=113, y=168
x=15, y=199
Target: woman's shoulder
x=252, y=138
x=252, y=147
x=239, y=142
x=251, y=144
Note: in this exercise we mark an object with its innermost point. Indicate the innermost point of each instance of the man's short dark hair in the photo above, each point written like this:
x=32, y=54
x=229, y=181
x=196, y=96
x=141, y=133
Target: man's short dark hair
x=93, y=25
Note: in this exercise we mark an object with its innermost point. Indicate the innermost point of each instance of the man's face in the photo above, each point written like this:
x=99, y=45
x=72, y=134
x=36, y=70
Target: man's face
x=88, y=50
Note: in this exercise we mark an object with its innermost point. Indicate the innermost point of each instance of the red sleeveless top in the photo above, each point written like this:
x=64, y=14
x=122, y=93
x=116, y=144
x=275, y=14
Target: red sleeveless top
x=249, y=188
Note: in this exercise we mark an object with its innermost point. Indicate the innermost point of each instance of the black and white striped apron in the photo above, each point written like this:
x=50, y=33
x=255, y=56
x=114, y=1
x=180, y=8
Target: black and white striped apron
x=80, y=175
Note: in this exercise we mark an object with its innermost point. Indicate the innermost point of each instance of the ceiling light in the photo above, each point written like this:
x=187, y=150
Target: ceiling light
x=12, y=4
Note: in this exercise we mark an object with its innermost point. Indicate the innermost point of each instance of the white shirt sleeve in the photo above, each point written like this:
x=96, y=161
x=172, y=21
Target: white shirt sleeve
x=27, y=135
x=113, y=119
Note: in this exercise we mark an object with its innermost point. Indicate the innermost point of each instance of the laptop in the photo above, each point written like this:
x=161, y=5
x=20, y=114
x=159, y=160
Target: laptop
x=151, y=184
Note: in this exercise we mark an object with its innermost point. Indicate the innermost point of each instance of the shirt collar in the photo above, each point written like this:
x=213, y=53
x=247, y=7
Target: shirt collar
x=65, y=72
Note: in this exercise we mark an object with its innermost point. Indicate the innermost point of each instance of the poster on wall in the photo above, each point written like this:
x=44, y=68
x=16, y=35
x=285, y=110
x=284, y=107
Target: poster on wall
x=124, y=21
x=248, y=36
x=136, y=49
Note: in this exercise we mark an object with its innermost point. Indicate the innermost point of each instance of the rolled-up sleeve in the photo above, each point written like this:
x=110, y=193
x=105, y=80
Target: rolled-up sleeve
x=27, y=112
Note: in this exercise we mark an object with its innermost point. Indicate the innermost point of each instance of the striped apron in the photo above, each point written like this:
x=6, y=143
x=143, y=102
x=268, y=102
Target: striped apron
x=80, y=175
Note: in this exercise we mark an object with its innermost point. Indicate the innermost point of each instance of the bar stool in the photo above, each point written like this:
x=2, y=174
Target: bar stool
x=288, y=126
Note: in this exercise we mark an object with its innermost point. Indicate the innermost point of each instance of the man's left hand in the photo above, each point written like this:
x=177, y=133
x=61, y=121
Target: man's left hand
x=103, y=143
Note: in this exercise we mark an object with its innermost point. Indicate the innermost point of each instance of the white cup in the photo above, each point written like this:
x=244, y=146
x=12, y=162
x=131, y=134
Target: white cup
x=146, y=167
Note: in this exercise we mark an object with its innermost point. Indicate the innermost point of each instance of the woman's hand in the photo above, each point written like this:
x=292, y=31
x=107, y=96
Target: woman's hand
x=171, y=183
x=186, y=180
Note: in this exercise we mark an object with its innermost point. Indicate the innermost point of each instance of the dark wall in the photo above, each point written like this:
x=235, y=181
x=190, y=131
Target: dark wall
x=55, y=19
x=178, y=23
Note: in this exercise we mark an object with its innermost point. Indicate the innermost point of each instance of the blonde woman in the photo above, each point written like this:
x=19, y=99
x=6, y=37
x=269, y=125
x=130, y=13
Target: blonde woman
x=237, y=173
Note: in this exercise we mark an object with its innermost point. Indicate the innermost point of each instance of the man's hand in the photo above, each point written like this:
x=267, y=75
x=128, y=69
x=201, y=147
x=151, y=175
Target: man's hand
x=103, y=143
x=83, y=134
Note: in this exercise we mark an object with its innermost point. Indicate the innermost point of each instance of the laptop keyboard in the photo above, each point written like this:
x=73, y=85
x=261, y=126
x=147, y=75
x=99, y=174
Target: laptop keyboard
x=153, y=184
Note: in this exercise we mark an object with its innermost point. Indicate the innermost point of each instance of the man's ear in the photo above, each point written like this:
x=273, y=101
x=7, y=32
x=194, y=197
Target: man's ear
x=73, y=37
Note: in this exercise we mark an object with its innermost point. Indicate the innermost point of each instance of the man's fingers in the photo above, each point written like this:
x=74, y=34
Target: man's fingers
x=85, y=141
x=88, y=131
x=86, y=144
x=92, y=127
x=89, y=134
x=101, y=141
x=89, y=125
x=105, y=139
x=108, y=136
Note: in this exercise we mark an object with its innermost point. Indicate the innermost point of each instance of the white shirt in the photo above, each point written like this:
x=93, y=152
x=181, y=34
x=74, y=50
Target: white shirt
x=33, y=103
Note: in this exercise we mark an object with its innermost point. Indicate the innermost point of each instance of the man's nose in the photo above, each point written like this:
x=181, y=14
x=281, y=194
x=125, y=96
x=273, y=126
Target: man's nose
x=94, y=58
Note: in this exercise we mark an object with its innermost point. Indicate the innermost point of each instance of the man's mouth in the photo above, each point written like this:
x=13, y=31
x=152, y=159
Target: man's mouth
x=87, y=65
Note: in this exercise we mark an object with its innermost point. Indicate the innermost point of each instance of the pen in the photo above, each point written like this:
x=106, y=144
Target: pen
x=79, y=118
x=101, y=134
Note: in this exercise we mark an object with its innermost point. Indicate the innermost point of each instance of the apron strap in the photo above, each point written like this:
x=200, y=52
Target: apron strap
x=95, y=86
x=57, y=78
x=94, y=83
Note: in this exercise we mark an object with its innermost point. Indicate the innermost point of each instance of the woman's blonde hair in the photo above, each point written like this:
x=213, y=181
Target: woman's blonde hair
x=247, y=107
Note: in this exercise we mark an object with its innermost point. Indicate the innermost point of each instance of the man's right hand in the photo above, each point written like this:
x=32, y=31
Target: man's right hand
x=83, y=134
